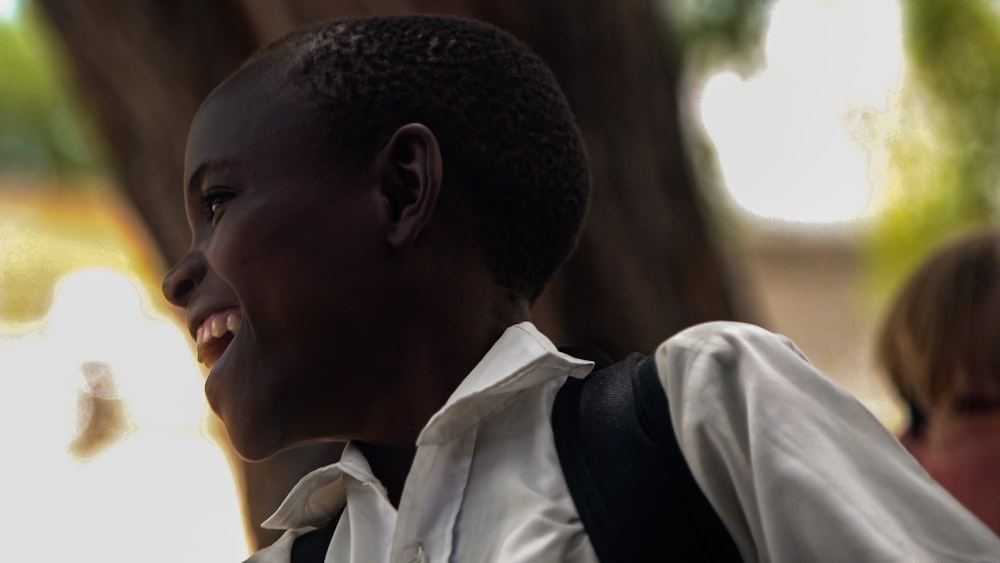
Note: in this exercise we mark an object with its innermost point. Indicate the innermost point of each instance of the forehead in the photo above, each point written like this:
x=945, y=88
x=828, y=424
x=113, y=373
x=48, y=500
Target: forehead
x=253, y=118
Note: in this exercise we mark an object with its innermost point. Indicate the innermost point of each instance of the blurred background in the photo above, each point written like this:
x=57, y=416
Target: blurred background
x=783, y=162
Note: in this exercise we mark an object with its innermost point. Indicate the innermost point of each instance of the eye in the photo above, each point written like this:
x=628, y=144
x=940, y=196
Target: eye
x=213, y=198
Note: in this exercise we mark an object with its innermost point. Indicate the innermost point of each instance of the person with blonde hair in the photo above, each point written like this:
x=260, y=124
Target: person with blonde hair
x=940, y=347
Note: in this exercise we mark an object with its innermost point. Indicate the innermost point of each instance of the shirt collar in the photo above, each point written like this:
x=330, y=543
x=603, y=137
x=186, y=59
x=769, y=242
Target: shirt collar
x=523, y=357
x=321, y=494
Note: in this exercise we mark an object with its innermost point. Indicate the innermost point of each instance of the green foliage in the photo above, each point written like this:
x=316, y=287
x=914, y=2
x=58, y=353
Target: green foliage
x=945, y=157
x=40, y=129
x=712, y=32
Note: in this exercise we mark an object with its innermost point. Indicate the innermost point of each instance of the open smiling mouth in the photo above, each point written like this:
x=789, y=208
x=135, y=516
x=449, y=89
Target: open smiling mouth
x=215, y=333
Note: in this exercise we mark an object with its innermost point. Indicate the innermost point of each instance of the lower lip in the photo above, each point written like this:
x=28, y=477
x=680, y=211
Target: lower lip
x=213, y=393
x=216, y=349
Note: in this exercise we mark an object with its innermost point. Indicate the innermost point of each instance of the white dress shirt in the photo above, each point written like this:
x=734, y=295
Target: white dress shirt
x=796, y=468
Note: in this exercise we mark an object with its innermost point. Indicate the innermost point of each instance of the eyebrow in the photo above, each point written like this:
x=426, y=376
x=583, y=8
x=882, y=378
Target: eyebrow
x=209, y=166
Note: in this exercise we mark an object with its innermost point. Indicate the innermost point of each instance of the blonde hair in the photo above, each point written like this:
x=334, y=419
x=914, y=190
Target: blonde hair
x=940, y=341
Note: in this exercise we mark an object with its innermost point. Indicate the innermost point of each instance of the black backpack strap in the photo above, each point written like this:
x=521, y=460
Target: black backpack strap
x=626, y=473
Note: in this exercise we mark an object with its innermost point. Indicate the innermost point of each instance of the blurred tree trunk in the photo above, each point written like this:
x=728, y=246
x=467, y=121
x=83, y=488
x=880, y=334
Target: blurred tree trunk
x=647, y=264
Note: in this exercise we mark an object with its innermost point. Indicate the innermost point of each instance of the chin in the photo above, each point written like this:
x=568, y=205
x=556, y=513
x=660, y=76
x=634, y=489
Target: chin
x=253, y=434
x=252, y=445
x=254, y=456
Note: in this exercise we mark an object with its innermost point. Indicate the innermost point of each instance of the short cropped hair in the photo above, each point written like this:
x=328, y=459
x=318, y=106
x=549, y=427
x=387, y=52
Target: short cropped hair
x=514, y=160
x=940, y=341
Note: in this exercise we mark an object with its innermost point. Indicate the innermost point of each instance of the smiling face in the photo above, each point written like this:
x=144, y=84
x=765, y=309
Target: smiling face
x=289, y=254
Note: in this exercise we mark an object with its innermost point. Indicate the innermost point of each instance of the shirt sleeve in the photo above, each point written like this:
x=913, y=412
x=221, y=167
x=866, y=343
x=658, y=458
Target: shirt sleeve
x=797, y=468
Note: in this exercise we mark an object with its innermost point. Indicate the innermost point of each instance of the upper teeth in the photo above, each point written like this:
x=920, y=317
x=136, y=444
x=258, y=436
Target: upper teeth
x=218, y=324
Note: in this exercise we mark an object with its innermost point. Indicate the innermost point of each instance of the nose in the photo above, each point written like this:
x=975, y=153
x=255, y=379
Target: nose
x=186, y=275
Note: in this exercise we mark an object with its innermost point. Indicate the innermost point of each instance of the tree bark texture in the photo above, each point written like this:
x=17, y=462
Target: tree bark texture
x=647, y=264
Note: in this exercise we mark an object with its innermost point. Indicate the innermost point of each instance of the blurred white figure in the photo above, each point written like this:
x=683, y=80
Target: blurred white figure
x=795, y=142
x=156, y=489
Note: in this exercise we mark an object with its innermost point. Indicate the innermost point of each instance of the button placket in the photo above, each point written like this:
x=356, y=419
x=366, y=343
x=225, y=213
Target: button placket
x=427, y=518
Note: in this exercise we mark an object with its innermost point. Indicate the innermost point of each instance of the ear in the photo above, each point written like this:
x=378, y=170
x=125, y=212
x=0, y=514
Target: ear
x=409, y=173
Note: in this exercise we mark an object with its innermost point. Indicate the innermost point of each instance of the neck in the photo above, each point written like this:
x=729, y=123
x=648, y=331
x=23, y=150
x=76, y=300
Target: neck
x=391, y=465
x=449, y=334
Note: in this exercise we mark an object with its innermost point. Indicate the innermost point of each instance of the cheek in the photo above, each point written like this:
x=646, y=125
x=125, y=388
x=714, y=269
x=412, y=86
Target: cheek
x=253, y=237
x=298, y=262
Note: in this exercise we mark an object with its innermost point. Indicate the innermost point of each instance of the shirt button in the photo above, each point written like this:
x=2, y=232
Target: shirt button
x=420, y=556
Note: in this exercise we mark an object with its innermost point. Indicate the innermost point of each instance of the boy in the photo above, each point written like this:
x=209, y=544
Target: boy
x=375, y=204
x=938, y=344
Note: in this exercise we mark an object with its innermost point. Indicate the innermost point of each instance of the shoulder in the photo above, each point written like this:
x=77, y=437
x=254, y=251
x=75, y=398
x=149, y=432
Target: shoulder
x=769, y=438
x=742, y=367
x=725, y=349
x=724, y=341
